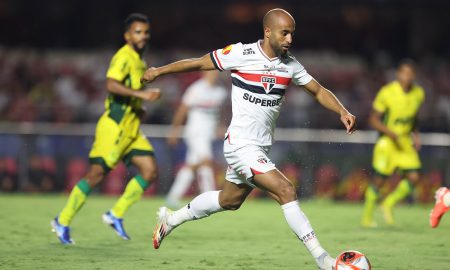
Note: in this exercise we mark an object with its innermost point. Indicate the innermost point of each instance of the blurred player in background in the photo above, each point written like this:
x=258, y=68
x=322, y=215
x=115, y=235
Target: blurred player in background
x=398, y=103
x=441, y=206
x=118, y=135
x=201, y=106
x=261, y=73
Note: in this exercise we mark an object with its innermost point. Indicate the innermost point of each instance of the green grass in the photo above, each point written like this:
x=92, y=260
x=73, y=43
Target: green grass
x=255, y=237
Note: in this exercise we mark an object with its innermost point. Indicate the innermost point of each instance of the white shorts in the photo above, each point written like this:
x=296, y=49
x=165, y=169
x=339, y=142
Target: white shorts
x=246, y=161
x=198, y=150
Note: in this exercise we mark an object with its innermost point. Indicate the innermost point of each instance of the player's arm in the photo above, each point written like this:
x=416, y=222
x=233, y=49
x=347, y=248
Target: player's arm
x=376, y=122
x=186, y=65
x=177, y=124
x=327, y=99
x=116, y=87
x=416, y=135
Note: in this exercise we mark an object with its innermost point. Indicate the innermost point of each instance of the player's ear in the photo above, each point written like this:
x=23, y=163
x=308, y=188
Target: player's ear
x=126, y=36
x=267, y=32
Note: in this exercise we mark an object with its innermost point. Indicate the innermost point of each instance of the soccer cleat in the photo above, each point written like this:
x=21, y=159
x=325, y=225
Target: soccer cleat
x=116, y=224
x=162, y=229
x=325, y=262
x=368, y=223
x=439, y=208
x=387, y=214
x=62, y=232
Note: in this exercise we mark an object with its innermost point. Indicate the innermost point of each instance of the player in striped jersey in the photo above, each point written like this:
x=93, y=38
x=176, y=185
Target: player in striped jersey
x=200, y=107
x=261, y=73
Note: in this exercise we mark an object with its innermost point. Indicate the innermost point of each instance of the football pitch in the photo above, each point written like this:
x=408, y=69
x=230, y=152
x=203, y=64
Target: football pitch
x=254, y=237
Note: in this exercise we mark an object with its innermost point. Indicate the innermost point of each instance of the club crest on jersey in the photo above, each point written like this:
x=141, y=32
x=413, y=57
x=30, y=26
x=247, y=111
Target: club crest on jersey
x=226, y=50
x=268, y=82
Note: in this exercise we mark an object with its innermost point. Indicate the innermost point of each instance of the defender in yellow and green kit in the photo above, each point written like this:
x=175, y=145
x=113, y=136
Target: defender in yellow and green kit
x=118, y=135
x=396, y=148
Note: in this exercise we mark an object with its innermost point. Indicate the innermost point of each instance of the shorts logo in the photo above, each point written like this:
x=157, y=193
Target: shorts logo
x=226, y=50
x=263, y=160
x=268, y=83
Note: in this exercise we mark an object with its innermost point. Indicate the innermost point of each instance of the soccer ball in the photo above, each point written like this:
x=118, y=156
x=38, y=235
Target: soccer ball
x=352, y=260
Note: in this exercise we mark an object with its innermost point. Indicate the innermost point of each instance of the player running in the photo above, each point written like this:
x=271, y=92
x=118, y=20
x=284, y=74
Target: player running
x=260, y=73
x=118, y=136
x=396, y=149
x=201, y=106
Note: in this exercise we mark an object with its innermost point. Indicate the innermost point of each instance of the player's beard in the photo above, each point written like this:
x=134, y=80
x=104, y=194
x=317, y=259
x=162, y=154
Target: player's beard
x=278, y=49
x=281, y=53
x=138, y=49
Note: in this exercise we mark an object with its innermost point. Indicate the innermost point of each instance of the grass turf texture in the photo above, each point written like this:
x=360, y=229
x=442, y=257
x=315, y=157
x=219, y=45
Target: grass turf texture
x=254, y=237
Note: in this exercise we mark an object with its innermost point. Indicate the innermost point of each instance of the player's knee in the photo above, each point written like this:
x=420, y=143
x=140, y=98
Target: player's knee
x=413, y=178
x=287, y=193
x=149, y=174
x=94, y=176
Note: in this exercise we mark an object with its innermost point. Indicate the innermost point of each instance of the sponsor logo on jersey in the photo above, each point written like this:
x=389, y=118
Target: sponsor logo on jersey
x=226, y=50
x=268, y=82
x=248, y=51
x=262, y=102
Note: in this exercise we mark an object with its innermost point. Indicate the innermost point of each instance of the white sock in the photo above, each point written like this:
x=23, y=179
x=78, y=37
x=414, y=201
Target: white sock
x=206, y=178
x=201, y=206
x=182, y=181
x=299, y=223
x=446, y=199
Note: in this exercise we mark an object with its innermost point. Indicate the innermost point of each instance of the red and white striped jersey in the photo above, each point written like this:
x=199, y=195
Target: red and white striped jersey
x=258, y=87
x=204, y=101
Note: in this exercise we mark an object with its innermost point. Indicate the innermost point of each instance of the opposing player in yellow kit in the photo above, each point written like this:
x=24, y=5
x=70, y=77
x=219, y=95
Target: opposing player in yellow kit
x=118, y=136
x=396, y=149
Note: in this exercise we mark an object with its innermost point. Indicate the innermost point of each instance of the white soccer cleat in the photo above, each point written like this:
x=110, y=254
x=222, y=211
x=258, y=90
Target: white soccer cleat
x=162, y=228
x=325, y=262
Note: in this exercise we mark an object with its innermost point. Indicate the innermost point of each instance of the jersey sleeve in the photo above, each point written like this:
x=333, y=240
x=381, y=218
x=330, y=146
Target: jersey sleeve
x=227, y=58
x=300, y=75
x=379, y=104
x=119, y=68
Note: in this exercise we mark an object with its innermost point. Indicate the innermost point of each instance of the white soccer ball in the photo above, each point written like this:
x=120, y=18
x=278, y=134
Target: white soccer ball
x=352, y=260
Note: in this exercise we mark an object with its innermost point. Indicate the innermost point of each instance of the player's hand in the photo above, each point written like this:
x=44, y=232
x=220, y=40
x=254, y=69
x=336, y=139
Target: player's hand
x=150, y=94
x=172, y=138
x=349, y=121
x=417, y=141
x=394, y=138
x=150, y=75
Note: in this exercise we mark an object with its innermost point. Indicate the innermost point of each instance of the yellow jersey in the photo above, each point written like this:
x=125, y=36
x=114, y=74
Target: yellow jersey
x=127, y=67
x=399, y=107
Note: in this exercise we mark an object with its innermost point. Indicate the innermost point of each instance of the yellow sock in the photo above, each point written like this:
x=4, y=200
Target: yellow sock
x=371, y=198
x=402, y=190
x=76, y=200
x=133, y=192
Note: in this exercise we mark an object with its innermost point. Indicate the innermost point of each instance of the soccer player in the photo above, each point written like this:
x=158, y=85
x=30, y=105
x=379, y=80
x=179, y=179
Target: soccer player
x=398, y=102
x=441, y=206
x=201, y=106
x=260, y=73
x=118, y=135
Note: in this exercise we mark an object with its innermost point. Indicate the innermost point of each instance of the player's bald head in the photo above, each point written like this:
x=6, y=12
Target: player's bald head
x=277, y=16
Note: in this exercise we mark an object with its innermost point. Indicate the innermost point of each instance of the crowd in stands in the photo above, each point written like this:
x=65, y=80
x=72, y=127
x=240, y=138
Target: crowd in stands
x=68, y=87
